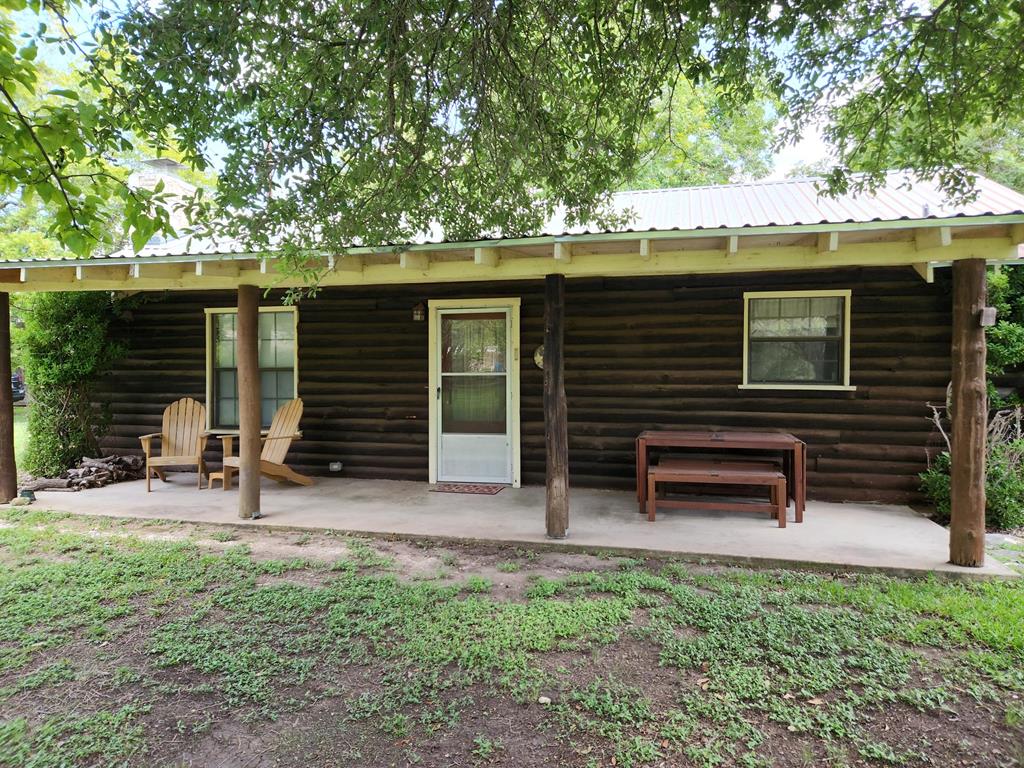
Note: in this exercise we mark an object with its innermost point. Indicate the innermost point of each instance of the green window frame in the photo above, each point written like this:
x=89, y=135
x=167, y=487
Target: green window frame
x=278, y=363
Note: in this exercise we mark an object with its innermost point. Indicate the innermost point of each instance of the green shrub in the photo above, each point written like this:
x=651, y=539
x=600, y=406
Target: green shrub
x=64, y=345
x=1004, y=485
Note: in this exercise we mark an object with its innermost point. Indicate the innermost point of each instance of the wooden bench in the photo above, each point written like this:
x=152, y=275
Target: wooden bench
x=703, y=472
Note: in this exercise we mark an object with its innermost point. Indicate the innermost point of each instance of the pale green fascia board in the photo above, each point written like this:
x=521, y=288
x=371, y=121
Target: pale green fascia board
x=858, y=226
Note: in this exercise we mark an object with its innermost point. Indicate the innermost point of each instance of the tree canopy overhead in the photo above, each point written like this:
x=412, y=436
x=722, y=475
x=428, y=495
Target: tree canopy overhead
x=367, y=121
x=696, y=136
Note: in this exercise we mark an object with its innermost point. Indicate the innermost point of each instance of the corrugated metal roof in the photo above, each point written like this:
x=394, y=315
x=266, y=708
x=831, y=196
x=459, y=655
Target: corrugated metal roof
x=783, y=203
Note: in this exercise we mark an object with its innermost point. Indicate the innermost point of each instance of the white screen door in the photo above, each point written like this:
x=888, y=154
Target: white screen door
x=474, y=395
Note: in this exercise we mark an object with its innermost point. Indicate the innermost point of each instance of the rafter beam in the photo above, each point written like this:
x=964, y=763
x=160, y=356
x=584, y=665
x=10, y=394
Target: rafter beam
x=486, y=257
x=414, y=260
x=926, y=238
x=732, y=245
x=158, y=271
x=926, y=270
x=563, y=253
x=49, y=275
x=216, y=269
x=828, y=242
x=645, y=249
x=346, y=263
x=102, y=272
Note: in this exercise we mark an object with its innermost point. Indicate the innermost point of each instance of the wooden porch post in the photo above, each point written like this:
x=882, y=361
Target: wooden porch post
x=556, y=431
x=249, y=421
x=8, y=470
x=969, y=417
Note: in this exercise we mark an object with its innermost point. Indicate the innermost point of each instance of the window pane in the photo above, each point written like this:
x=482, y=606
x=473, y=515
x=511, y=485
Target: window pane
x=224, y=340
x=227, y=412
x=285, y=386
x=268, y=384
x=473, y=343
x=277, y=340
x=795, y=361
x=473, y=405
x=276, y=359
x=227, y=384
x=268, y=407
x=789, y=317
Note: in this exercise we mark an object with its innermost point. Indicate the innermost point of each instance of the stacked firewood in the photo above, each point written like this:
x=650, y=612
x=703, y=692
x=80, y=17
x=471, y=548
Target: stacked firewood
x=92, y=473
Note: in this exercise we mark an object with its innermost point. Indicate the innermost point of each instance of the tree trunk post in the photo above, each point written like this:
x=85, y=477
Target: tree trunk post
x=249, y=422
x=969, y=418
x=556, y=430
x=8, y=469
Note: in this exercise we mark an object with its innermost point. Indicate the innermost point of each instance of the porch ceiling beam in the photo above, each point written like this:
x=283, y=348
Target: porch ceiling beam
x=828, y=242
x=645, y=248
x=563, y=253
x=486, y=257
x=346, y=263
x=732, y=245
x=217, y=269
x=55, y=276
x=933, y=237
x=625, y=263
x=926, y=270
x=109, y=272
x=158, y=271
x=419, y=262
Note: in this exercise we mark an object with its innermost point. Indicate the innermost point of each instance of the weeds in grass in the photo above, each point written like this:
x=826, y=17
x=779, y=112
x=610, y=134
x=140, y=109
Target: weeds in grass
x=485, y=748
x=449, y=559
x=102, y=738
x=478, y=584
x=752, y=651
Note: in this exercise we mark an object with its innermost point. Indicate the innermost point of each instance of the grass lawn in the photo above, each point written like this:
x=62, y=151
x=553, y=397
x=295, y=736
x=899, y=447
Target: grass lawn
x=20, y=433
x=134, y=643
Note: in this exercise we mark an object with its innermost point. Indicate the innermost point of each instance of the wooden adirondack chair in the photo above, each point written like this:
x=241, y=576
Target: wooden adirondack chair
x=283, y=429
x=182, y=441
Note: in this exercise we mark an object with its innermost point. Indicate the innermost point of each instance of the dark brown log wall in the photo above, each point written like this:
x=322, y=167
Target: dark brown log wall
x=640, y=353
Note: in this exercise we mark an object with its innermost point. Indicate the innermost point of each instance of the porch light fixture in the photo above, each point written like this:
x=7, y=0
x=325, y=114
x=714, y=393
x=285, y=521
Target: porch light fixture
x=419, y=312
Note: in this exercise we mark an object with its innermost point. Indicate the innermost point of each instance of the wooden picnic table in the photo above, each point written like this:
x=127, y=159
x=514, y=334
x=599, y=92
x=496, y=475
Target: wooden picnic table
x=793, y=450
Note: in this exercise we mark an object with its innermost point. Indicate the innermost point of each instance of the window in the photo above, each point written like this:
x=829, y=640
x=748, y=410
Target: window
x=797, y=340
x=277, y=361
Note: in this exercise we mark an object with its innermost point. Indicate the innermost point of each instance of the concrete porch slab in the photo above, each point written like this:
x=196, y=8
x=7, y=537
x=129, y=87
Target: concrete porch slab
x=846, y=536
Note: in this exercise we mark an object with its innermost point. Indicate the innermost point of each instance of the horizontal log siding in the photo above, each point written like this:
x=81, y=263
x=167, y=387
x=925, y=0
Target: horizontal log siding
x=640, y=353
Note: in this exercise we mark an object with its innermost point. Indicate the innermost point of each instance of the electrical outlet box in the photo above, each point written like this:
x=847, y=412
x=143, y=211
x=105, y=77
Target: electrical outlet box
x=335, y=466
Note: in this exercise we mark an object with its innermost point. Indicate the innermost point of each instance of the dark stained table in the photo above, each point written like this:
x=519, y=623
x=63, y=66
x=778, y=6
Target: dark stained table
x=793, y=450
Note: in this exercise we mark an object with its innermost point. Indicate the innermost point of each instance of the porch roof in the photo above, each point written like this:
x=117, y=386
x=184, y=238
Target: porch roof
x=765, y=225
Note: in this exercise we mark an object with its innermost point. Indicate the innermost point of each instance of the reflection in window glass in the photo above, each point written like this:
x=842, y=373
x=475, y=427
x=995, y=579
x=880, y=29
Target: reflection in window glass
x=473, y=343
x=276, y=362
x=796, y=339
x=473, y=405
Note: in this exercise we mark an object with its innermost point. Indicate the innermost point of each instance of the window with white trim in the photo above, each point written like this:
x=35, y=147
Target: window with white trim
x=796, y=339
x=278, y=362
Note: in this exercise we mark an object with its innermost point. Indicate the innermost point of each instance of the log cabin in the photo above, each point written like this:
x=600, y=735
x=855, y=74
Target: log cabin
x=532, y=360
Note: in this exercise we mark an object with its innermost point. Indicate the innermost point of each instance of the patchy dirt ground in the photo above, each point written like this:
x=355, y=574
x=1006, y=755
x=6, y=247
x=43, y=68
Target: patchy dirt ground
x=151, y=643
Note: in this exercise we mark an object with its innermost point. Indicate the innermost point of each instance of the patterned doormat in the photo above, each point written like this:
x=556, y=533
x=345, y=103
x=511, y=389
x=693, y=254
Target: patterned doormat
x=479, y=488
